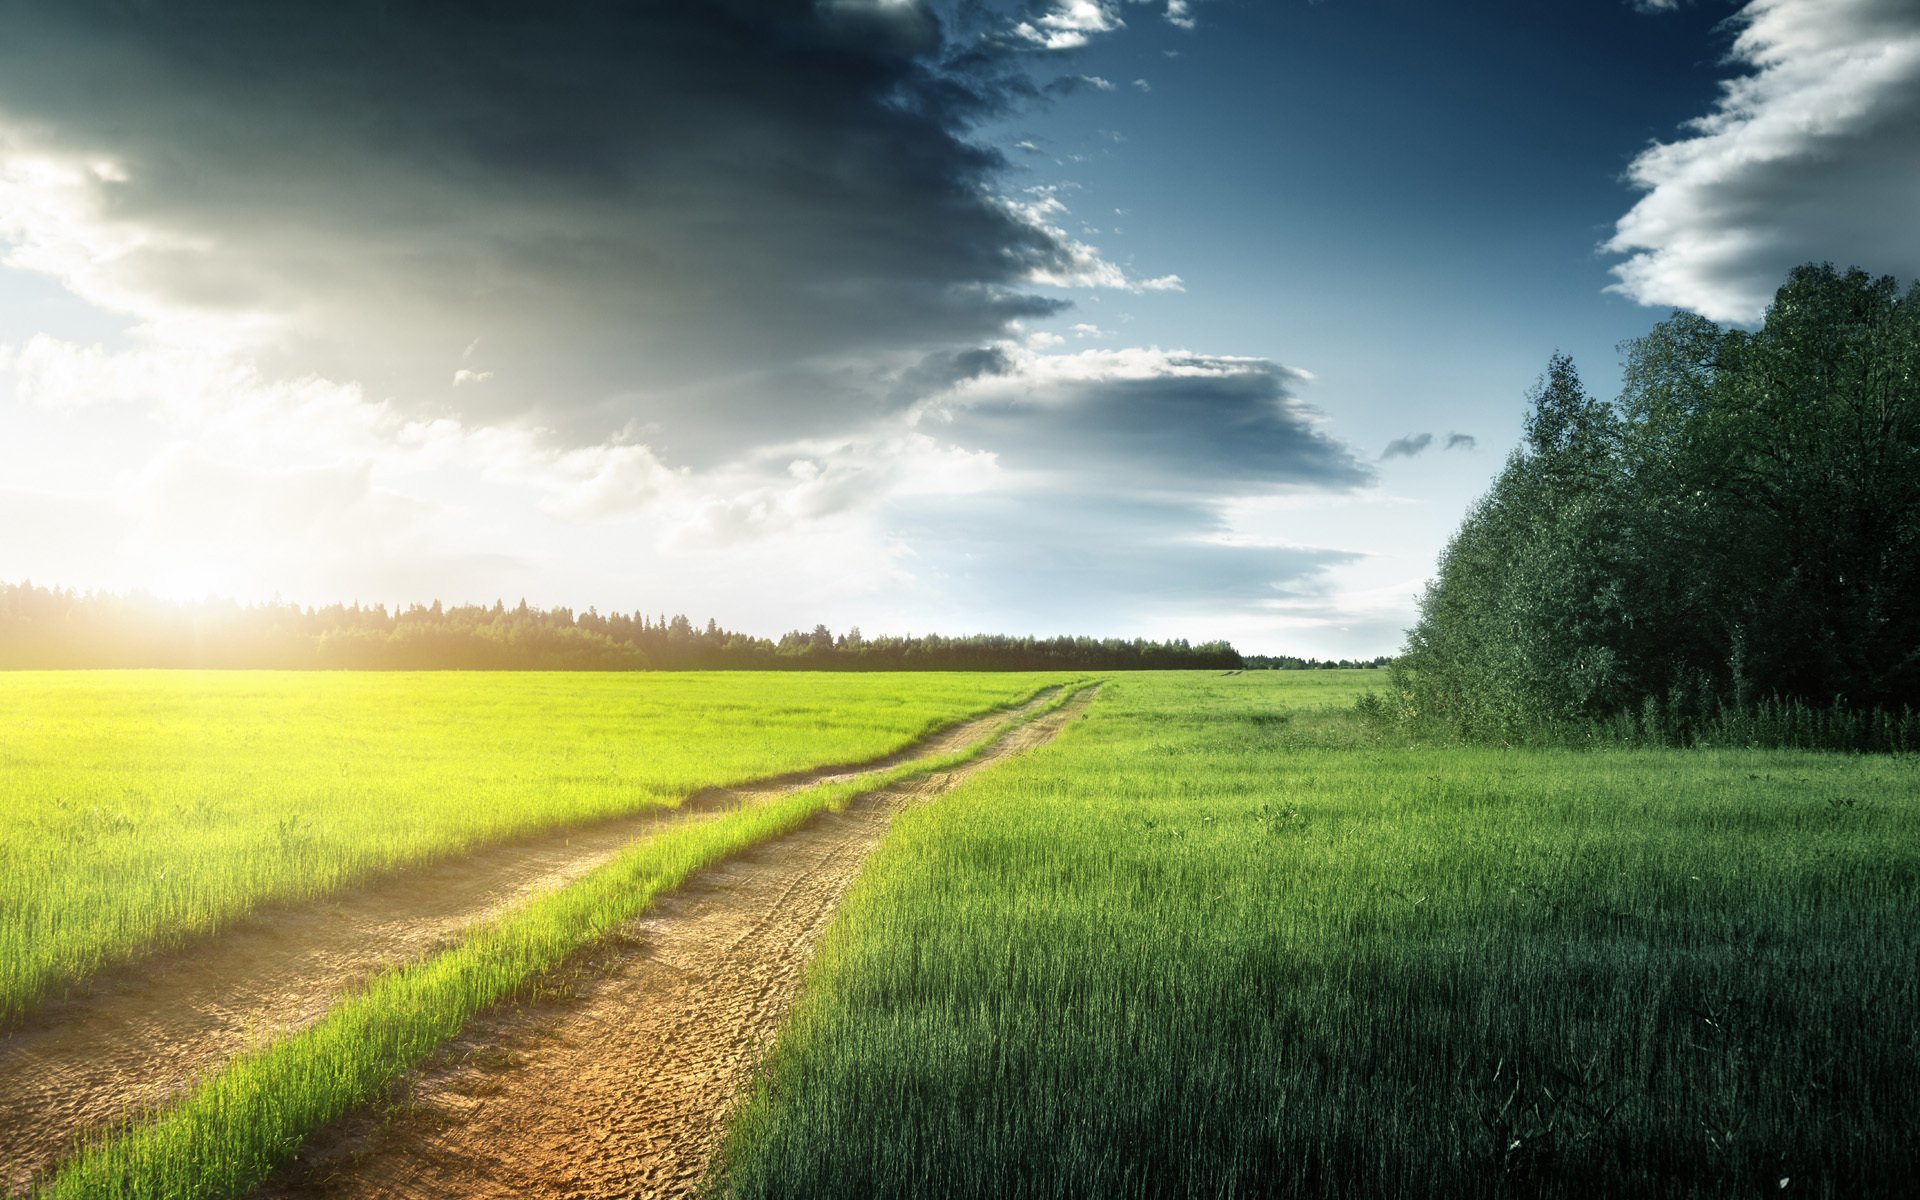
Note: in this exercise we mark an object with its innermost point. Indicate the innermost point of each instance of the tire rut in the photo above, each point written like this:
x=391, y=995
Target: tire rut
x=618, y=1081
x=142, y=1033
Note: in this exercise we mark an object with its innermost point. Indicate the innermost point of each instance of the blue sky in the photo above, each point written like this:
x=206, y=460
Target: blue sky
x=1094, y=316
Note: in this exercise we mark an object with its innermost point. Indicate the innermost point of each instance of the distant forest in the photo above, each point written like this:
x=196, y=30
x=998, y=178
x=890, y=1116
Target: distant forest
x=1288, y=662
x=50, y=628
x=1727, y=553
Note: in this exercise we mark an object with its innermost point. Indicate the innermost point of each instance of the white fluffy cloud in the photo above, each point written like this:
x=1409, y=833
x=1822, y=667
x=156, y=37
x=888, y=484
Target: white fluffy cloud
x=1069, y=24
x=1814, y=155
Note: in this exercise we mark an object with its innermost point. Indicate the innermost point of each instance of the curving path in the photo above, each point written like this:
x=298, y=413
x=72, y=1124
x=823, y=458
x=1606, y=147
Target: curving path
x=143, y=1033
x=619, y=1085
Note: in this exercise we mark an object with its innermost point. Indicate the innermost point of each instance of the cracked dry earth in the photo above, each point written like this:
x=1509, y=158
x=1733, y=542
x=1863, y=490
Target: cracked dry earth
x=619, y=1084
x=141, y=1034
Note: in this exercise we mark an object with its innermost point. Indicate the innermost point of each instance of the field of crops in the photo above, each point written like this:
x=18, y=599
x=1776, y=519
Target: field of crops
x=136, y=807
x=1223, y=939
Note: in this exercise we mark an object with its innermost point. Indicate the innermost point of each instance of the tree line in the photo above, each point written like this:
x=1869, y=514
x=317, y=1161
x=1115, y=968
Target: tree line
x=1289, y=662
x=52, y=628
x=1729, y=551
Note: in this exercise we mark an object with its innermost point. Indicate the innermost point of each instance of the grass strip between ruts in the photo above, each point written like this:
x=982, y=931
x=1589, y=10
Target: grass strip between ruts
x=232, y=1130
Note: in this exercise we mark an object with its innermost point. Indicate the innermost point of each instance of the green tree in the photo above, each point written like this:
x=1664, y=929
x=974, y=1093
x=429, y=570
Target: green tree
x=1744, y=522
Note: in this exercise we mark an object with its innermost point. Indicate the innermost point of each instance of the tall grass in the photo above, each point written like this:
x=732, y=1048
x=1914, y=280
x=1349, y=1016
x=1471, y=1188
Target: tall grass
x=1702, y=715
x=1216, y=943
x=248, y=1118
x=137, y=808
x=1774, y=723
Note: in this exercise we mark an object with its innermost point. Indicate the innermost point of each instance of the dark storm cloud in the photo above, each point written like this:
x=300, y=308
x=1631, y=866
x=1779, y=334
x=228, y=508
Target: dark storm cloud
x=632, y=207
x=1407, y=447
x=1166, y=423
x=944, y=370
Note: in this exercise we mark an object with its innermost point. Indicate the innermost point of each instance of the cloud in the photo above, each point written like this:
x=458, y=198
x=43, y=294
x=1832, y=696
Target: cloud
x=1812, y=155
x=1461, y=441
x=1052, y=567
x=645, y=213
x=941, y=371
x=1066, y=85
x=1137, y=421
x=1069, y=24
x=669, y=301
x=1059, y=489
x=231, y=414
x=1078, y=264
x=998, y=485
x=1407, y=447
x=1180, y=13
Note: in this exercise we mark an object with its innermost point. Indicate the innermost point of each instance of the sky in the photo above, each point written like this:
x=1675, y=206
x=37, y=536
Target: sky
x=1163, y=318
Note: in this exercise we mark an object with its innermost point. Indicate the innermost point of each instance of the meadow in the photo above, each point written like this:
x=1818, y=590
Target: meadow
x=141, y=807
x=1225, y=938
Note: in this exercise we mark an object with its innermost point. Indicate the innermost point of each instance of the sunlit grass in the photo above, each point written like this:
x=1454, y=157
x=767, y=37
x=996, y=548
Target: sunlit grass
x=249, y=1117
x=1218, y=940
x=137, y=807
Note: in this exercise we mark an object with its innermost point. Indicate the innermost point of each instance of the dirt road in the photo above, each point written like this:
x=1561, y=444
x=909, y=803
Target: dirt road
x=619, y=1085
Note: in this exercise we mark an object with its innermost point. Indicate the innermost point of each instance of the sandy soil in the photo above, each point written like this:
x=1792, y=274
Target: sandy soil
x=618, y=1085
x=142, y=1033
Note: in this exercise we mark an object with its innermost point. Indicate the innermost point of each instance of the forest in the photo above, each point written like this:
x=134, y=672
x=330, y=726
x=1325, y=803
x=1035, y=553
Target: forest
x=1293, y=662
x=1727, y=552
x=52, y=628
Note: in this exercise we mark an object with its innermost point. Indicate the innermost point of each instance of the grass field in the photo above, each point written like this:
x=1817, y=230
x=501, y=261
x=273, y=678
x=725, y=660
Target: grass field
x=1221, y=939
x=136, y=807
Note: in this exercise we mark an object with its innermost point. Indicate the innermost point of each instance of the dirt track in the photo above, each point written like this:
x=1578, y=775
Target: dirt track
x=143, y=1033
x=619, y=1085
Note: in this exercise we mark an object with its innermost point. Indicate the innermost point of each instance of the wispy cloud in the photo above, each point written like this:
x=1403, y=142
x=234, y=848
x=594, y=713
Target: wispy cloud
x=1406, y=447
x=1075, y=263
x=1813, y=154
x=1066, y=85
x=1417, y=443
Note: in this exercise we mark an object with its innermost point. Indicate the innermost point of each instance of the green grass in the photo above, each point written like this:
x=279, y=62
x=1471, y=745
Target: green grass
x=250, y=1116
x=138, y=807
x=1221, y=939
